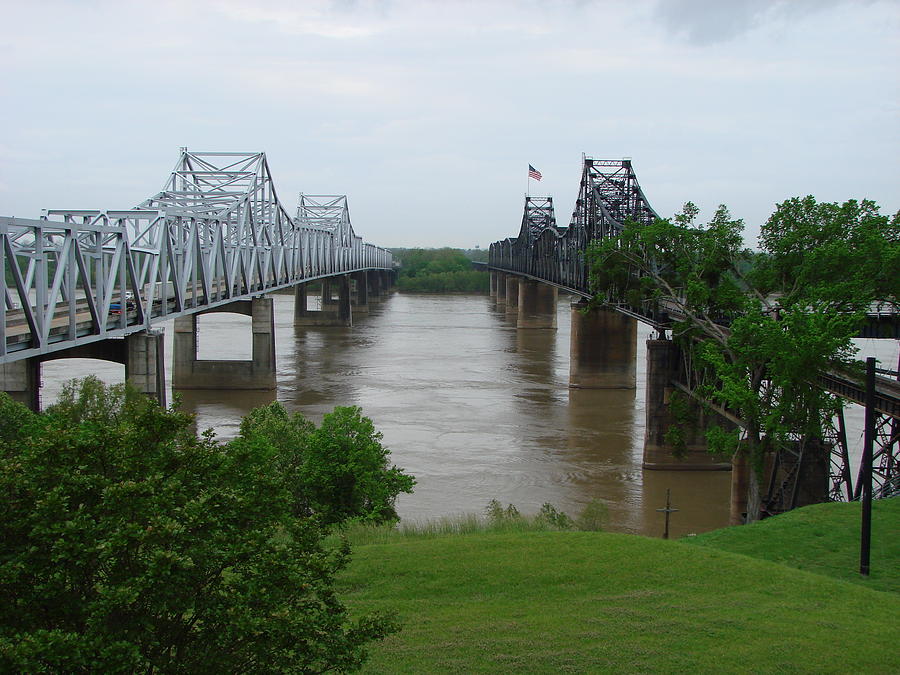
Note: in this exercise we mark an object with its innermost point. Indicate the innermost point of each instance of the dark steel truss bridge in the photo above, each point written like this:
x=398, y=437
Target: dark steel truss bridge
x=608, y=196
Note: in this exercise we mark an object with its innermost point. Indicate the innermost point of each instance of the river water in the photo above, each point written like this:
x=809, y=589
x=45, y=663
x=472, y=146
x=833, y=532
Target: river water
x=472, y=407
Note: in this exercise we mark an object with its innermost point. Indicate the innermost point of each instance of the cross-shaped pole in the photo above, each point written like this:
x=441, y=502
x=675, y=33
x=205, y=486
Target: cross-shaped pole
x=667, y=511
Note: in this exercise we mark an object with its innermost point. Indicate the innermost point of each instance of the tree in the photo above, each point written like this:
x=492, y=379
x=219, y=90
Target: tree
x=129, y=544
x=442, y=270
x=338, y=471
x=759, y=326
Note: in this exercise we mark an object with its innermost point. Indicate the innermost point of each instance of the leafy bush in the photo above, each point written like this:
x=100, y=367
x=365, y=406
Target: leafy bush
x=338, y=471
x=553, y=518
x=497, y=514
x=129, y=544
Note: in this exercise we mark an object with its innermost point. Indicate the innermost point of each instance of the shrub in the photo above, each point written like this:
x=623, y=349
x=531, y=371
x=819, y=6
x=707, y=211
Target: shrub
x=129, y=544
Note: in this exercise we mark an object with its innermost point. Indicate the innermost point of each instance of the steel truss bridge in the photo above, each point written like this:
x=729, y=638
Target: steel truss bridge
x=215, y=234
x=608, y=196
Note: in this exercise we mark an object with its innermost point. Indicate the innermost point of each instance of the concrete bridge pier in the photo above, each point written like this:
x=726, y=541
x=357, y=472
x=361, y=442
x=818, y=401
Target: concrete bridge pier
x=512, y=294
x=385, y=280
x=360, y=297
x=374, y=281
x=494, y=276
x=301, y=302
x=500, y=290
x=664, y=367
x=537, y=305
x=603, y=349
x=145, y=363
x=141, y=353
x=332, y=312
x=22, y=381
x=189, y=372
x=339, y=302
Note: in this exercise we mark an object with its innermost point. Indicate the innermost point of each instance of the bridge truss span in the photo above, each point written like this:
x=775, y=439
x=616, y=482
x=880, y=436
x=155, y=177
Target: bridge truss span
x=216, y=233
x=608, y=196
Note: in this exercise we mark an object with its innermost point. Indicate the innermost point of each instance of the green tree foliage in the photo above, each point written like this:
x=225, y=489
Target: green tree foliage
x=339, y=471
x=477, y=254
x=759, y=325
x=844, y=256
x=131, y=545
x=442, y=270
x=424, y=261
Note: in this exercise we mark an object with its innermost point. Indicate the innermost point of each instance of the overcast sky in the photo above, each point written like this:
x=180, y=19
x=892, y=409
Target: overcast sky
x=427, y=114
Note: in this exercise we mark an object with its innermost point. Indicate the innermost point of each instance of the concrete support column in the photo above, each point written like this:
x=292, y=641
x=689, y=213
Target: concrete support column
x=385, y=280
x=374, y=286
x=263, y=327
x=327, y=298
x=189, y=372
x=602, y=349
x=361, y=299
x=301, y=301
x=145, y=364
x=512, y=294
x=537, y=305
x=500, y=298
x=332, y=311
x=494, y=276
x=345, y=313
x=22, y=381
x=184, y=352
x=663, y=367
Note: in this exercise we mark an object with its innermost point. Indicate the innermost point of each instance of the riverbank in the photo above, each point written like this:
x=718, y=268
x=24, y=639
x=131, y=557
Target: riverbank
x=605, y=602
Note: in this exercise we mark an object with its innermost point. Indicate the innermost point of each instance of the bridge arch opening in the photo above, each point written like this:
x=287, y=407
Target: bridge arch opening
x=224, y=336
x=57, y=372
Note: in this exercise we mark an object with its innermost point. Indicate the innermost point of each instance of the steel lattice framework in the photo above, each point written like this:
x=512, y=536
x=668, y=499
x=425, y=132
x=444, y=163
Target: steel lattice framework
x=608, y=196
x=216, y=233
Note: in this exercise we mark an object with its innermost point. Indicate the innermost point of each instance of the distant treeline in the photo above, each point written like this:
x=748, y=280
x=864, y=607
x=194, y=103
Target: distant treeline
x=441, y=270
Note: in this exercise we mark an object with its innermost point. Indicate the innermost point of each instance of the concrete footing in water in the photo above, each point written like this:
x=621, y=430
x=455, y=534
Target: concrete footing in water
x=189, y=372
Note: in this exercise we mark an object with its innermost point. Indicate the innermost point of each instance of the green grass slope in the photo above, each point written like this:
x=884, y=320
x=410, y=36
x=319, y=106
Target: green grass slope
x=823, y=538
x=550, y=602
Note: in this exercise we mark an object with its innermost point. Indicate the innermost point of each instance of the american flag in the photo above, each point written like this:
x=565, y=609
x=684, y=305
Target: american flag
x=533, y=173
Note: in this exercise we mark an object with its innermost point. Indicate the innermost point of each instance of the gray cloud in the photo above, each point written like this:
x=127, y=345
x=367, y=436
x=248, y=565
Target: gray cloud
x=427, y=114
x=705, y=22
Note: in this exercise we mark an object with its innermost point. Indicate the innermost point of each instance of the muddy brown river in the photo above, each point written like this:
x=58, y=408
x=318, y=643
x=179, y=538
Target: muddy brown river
x=474, y=408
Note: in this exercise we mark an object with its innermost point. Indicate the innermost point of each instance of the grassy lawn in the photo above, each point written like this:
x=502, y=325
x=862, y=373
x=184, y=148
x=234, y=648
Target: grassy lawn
x=549, y=602
x=824, y=539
